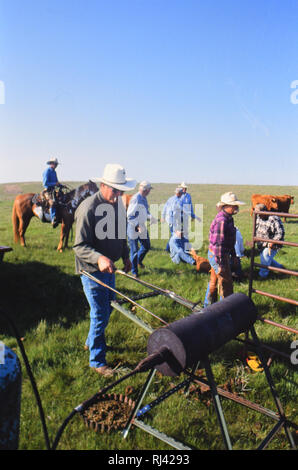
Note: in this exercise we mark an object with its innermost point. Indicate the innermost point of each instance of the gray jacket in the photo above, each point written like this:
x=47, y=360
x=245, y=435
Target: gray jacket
x=100, y=230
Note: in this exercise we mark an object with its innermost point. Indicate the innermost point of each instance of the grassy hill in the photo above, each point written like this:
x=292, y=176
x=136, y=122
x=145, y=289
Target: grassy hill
x=44, y=297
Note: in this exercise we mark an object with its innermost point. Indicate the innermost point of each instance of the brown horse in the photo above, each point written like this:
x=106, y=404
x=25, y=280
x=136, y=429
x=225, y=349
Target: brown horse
x=24, y=209
x=126, y=200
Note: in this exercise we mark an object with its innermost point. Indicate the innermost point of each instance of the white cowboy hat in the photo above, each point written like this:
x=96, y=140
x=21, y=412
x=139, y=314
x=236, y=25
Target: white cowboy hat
x=114, y=176
x=178, y=190
x=229, y=199
x=145, y=185
x=183, y=185
x=53, y=160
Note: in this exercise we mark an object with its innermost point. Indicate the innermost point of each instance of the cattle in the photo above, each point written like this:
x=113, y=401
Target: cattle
x=269, y=201
x=272, y=202
x=283, y=203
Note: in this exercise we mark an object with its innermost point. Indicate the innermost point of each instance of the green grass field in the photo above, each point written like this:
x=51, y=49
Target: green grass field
x=43, y=296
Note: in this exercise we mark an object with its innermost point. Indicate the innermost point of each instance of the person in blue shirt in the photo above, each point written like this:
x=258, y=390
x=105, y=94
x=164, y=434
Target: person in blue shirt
x=188, y=210
x=177, y=245
x=50, y=181
x=186, y=200
x=137, y=216
x=172, y=213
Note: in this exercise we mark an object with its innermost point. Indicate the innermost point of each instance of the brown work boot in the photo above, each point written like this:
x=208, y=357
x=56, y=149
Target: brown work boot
x=105, y=371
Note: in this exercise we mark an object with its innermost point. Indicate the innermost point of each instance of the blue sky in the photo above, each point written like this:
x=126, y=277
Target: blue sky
x=172, y=89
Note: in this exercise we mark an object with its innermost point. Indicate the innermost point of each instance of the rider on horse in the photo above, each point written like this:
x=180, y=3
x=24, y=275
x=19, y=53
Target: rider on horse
x=50, y=183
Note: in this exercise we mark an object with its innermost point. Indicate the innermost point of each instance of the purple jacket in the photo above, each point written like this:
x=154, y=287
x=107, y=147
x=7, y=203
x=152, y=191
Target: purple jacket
x=222, y=236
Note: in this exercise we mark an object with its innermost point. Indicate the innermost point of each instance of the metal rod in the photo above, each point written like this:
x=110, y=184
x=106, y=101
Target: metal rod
x=138, y=402
x=278, y=325
x=277, y=297
x=252, y=257
x=280, y=214
x=272, y=433
x=237, y=399
x=140, y=297
x=167, y=293
x=217, y=404
x=161, y=436
x=279, y=270
x=122, y=295
x=264, y=346
x=163, y=397
x=272, y=386
x=274, y=242
x=131, y=316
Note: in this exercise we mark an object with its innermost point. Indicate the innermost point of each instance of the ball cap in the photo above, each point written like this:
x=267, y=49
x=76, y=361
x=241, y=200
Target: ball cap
x=145, y=185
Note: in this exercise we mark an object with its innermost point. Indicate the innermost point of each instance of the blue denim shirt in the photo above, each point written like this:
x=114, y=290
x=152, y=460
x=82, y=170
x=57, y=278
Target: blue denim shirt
x=49, y=178
x=186, y=202
x=172, y=212
x=137, y=215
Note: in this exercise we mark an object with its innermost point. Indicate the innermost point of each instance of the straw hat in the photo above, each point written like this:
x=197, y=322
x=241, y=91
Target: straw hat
x=52, y=160
x=145, y=185
x=183, y=185
x=229, y=199
x=114, y=175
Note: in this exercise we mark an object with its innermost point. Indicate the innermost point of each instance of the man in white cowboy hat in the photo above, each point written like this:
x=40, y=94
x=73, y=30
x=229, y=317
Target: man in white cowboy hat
x=137, y=216
x=172, y=214
x=222, y=238
x=100, y=241
x=50, y=181
x=187, y=206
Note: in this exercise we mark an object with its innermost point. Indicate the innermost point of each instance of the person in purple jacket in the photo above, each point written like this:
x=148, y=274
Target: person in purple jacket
x=222, y=238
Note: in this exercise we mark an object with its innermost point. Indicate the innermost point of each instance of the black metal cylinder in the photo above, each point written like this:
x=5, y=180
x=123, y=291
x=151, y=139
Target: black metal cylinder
x=194, y=337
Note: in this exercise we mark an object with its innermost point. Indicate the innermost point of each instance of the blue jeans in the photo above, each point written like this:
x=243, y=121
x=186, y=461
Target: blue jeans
x=268, y=260
x=53, y=212
x=171, y=233
x=137, y=254
x=180, y=255
x=99, y=299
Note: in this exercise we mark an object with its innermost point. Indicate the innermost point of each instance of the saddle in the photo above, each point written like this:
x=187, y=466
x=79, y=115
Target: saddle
x=43, y=202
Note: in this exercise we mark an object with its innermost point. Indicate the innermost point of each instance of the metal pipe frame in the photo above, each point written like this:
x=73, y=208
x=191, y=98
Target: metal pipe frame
x=282, y=422
x=210, y=383
x=281, y=270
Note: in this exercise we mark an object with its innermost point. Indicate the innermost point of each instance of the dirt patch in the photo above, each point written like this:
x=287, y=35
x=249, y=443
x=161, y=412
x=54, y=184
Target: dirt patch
x=12, y=189
x=110, y=413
